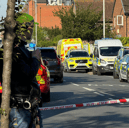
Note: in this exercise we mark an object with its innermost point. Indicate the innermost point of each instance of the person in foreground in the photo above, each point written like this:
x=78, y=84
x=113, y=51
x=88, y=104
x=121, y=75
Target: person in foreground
x=25, y=92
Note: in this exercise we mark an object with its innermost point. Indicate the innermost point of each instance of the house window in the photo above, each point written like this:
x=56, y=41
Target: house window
x=119, y=20
x=59, y=2
x=114, y=22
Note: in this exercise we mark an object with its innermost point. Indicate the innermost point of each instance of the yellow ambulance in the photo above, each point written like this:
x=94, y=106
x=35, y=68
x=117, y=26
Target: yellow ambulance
x=64, y=45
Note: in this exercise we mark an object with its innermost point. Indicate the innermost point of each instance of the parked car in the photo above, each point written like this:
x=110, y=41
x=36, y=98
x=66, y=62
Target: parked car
x=43, y=79
x=124, y=69
x=54, y=63
x=77, y=60
x=123, y=51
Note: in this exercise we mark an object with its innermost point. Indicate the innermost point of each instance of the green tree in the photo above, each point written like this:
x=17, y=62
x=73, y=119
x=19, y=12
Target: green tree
x=47, y=36
x=84, y=24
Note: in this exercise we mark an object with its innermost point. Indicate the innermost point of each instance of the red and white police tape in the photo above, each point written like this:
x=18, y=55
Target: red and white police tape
x=85, y=104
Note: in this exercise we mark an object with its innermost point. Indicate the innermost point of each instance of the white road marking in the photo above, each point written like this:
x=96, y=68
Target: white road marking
x=106, y=93
x=122, y=85
x=89, y=84
x=88, y=89
x=110, y=76
x=75, y=84
x=110, y=85
x=96, y=85
x=98, y=93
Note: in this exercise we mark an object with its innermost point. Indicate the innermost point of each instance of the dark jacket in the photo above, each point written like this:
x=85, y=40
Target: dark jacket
x=24, y=70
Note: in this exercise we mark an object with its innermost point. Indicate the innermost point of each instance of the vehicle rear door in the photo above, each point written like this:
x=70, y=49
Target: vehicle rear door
x=51, y=57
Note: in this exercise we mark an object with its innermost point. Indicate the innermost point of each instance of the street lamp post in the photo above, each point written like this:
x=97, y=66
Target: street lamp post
x=36, y=20
x=103, y=18
x=40, y=16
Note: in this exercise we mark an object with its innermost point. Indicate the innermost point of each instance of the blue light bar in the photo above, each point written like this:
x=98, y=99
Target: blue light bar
x=32, y=45
x=106, y=38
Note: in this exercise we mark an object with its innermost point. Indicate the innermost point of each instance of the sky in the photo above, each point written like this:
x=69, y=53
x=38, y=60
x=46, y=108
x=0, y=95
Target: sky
x=3, y=8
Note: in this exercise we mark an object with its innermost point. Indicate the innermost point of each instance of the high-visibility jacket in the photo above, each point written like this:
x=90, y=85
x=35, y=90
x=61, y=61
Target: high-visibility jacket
x=40, y=75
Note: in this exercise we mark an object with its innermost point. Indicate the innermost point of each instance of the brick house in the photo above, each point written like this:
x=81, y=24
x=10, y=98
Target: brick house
x=120, y=16
x=99, y=4
x=45, y=17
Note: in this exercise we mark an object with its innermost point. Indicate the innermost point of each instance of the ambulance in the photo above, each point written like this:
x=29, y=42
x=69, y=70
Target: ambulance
x=64, y=45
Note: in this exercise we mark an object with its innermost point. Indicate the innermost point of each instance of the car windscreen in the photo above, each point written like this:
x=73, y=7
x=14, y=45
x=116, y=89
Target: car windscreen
x=79, y=54
x=48, y=54
x=109, y=51
x=126, y=52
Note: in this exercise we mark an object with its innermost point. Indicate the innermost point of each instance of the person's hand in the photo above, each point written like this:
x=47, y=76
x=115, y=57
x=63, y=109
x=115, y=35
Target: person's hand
x=37, y=54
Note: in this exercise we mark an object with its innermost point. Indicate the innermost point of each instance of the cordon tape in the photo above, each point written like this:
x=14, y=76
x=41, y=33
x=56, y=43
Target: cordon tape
x=85, y=104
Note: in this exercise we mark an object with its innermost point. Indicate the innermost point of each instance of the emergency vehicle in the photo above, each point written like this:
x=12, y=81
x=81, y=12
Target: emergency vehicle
x=122, y=52
x=105, y=52
x=77, y=60
x=124, y=69
x=64, y=45
x=89, y=48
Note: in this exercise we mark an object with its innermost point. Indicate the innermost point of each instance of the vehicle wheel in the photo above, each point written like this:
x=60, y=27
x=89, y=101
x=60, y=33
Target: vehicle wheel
x=56, y=79
x=120, y=79
x=65, y=70
x=46, y=97
x=68, y=70
x=98, y=72
x=61, y=79
x=127, y=77
x=94, y=72
x=115, y=76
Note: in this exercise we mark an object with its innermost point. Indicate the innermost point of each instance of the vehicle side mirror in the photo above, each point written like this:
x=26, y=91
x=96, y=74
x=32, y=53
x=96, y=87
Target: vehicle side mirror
x=66, y=56
x=91, y=55
x=124, y=63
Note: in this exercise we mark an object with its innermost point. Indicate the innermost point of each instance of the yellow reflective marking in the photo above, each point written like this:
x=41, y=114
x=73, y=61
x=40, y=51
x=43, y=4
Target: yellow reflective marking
x=98, y=62
x=42, y=81
x=38, y=77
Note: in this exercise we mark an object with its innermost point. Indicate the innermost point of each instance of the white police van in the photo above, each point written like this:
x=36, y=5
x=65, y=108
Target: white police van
x=105, y=52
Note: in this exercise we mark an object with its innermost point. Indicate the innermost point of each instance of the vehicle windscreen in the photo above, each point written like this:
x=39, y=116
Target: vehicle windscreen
x=79, y=54
x=48, y=54
x=126, y=52
x=109, y=51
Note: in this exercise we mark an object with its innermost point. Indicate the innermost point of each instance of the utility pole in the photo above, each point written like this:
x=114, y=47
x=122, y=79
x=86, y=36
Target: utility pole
x=36, y=20
x=103, y=18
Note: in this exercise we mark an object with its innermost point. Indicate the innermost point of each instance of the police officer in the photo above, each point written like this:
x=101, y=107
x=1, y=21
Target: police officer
x=24, y=69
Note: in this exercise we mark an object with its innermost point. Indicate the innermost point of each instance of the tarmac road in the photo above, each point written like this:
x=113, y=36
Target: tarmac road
x=81, y=87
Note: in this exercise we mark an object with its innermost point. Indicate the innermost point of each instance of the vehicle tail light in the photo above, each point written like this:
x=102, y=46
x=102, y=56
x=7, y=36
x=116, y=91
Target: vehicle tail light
x=58, y=62
x=44, y=71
